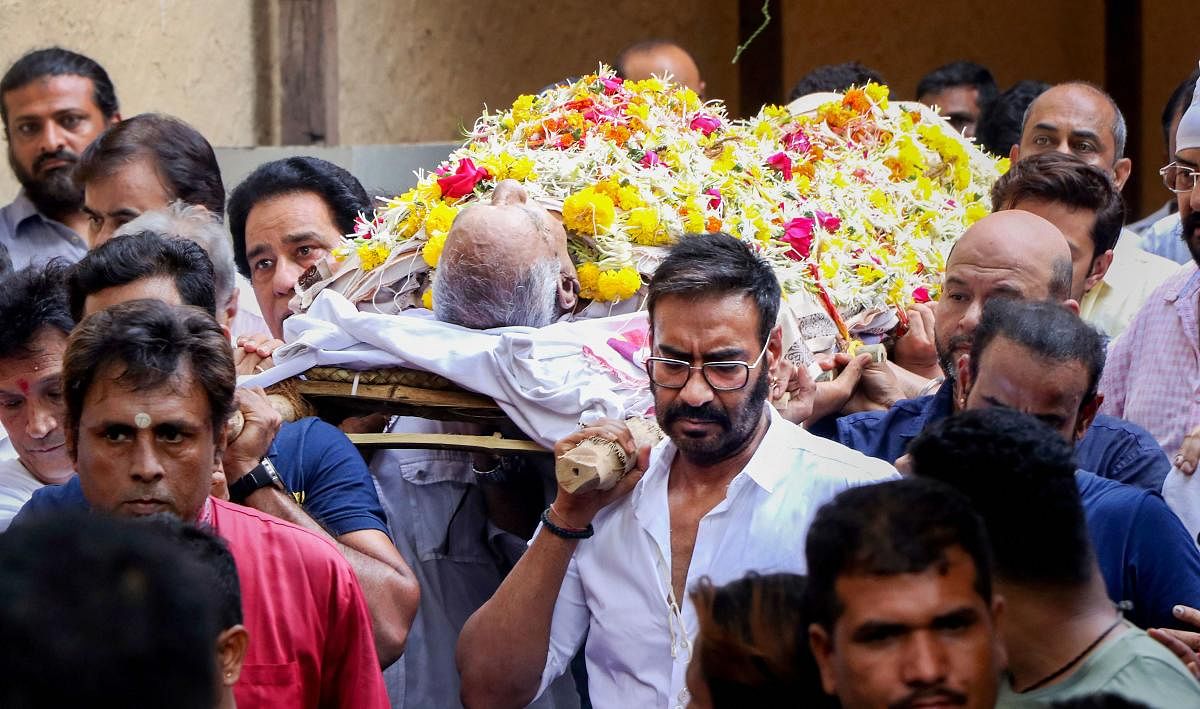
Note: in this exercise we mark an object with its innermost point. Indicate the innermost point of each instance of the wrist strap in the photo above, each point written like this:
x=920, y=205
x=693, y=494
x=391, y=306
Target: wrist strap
x=564, y=532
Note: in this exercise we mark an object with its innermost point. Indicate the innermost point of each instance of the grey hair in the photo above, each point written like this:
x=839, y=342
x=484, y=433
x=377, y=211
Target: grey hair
x=194, y=223
x=485, y=295
x=1120, y=132
x=1060, y=279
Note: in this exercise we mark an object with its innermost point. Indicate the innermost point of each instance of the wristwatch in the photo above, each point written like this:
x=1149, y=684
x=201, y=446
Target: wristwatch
x=260, y=476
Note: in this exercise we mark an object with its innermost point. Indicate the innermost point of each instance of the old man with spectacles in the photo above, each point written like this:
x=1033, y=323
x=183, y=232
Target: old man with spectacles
x=731, y=489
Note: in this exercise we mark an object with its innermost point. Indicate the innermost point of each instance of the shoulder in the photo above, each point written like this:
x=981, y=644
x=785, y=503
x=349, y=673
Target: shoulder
x=1143, y=668
x=824, y=458
x=249, y=530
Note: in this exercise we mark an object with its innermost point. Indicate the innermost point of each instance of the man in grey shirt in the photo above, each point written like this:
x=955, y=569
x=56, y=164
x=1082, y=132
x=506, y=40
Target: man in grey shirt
x=54, y=103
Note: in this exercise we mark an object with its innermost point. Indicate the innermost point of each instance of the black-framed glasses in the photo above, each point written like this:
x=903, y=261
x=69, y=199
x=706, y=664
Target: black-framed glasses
x=1179, y=179
x=721, y=376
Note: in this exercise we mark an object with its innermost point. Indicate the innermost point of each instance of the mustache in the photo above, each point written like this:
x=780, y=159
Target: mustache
x=60, y=154
x=704, y=413
x=938, y=692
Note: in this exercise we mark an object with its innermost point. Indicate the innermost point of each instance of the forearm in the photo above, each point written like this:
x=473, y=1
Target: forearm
x=389, y=587
x=503, y=646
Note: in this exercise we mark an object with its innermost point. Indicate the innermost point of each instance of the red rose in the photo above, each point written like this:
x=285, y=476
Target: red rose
x=715, y=202
x=464, y=179
x=921, y=295
x=827, y=221
x=797, y=141
x=705, y=124
x=799, y=234
x=782, y=163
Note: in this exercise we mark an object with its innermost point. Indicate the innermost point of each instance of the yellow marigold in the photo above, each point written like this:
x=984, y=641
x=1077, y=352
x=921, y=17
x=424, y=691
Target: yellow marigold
x=430, y=191
x=803, y=184
x=589, y=280
x=439, y=220
x=618, y=284
x=725, y=161
x=693, y=217
x=371, y=254
x=908, y=162
x=976, y=211
x=1002, y=165
x=588, y=212
x=829, y=270
x=878, y=93
x=522, y=108
x=432, y=250
x=645, y=227
x=628, y=197
x=869, y=273
x=340, y=253
x=427, y=299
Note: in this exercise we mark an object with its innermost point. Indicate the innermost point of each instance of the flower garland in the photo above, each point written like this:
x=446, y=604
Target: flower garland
x=854, y=200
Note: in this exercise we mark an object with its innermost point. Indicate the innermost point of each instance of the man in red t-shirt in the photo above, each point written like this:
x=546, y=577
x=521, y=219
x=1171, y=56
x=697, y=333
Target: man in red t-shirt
x=149, y=388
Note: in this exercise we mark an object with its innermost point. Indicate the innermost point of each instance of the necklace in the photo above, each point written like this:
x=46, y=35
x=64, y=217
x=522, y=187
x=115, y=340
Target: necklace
x=1062, y=670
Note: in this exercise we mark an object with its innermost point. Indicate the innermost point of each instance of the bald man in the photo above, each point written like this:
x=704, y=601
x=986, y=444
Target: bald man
x=1079, y=119
x=505, y=263
x=659, y=57
x=1012, y=254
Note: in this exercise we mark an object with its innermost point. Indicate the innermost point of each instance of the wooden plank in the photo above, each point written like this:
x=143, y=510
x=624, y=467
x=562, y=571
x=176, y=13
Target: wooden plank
x=399, y=393
x=445, y=441
x=308, y=71
x=760, y=68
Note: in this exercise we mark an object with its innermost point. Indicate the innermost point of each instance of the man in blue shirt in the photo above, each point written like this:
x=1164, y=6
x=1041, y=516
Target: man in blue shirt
x=1038, y=358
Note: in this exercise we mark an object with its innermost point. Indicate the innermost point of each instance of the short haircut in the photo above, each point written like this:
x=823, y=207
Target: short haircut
x=1066, y=180
x=1118, y=129
x=99, y=612
x=960, y=73
x=834, y=77
x=194, y=223
x=146, y=254
x=1000, y=121
x=485, y=294
x=55, y=61
x=717, y=264
x=153, y=343
x=1177, y=103
x=340, y=191
x=183, y=159
x=31, y=300
x=1019, y=474
x=201, y=544
x=752, y=643
x=887, y=529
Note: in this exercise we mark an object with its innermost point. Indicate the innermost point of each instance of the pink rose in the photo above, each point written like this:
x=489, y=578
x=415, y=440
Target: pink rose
x=613, y=85
x=715, y=202
x=782, y=163
x=797, y=141
x=828, y=222
x=705, y=124
x=464, y=179
x=921, y=295
x=799, y=234
x=650, y=159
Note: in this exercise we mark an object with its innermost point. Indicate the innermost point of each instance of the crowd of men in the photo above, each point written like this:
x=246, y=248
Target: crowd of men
x=1001, y=513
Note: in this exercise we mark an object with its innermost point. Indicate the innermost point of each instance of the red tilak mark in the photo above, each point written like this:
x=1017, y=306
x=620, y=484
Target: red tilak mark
x=24, y=385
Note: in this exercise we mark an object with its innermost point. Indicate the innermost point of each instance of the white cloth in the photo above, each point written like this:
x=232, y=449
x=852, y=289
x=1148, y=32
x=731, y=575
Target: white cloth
x=249, y=319
x=1132, y=277
x=1182, y=493
x=1188, y=135
x=546, y=379
x=17, y=485
x=618, y=583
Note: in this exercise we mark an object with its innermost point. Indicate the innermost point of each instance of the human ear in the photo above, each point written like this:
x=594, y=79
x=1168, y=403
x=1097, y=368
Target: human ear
x=231, y=652
x=822, y=649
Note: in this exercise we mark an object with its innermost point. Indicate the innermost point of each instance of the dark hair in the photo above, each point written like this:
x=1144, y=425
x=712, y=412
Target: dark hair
x=960, y=73
x=834, y=77
x=31, y=300
x=340, y=190
x=152, y=341
x=1046, y=329
x=1000, y=120
x=752, y=644
x=97, y=612
x=891, y=528
x=1019, y=474
x=717, y=264
x=183, y=159
x=201, y=544
x=132, y=257
x=1067, y=180
x=55, y=61
x=1177, y=103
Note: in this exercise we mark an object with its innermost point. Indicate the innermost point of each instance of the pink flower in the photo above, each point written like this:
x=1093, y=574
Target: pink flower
x=705, y=124
x=782, y=163
x=921, y=295
x=797, y=141
x=799, y=234
x=464, y=179
x=650, y=159
x=611, y=86
x=827, y=221
x=715, y=202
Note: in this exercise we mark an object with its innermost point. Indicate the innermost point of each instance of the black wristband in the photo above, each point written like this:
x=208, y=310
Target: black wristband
x=563, y=531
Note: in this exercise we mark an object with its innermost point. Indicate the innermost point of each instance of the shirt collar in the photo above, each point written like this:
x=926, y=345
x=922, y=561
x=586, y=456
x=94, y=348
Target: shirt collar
x=22, y=208
x=1188, y=286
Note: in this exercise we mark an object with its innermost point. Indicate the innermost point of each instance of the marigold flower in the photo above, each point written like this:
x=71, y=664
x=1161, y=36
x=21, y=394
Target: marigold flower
x=432, y=250
x=619, y=284
x=589, y=280
x=588, y=212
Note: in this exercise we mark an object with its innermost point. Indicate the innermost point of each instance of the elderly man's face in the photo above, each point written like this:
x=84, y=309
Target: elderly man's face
x=143, y=452
x=1074, y=120
x=113, y=200
x=31, y=407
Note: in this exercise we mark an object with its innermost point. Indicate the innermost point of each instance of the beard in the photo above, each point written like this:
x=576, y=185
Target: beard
x=55, y=193
x=737, y=426
x=947, y=356
x=1191, y=235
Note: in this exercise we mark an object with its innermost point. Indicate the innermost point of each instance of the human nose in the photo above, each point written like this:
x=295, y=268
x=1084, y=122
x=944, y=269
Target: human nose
x=287, y=272
x=970, y=317
x=696, y=390
x=54, y=138
x=145, y=466
x=925, y=661
x=41, y=422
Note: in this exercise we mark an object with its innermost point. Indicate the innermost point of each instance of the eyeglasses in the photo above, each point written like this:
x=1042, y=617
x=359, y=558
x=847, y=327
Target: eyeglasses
x=721, y=376
x=1179, y=179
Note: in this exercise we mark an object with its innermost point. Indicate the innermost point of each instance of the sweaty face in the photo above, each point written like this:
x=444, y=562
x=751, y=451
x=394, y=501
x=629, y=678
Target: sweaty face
x=1189, y=203
x=709, y=426
x=166, y=466
x=1011, y=376
x=1076, y=225
x=1074, y=120
x=113, y=200
x=51, y=121
x=285, y=236
x=959, y=105
x=31, y=407
x=911, y=640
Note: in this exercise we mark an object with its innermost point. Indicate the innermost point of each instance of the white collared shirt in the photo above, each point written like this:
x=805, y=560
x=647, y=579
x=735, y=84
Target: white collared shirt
x=618, y=585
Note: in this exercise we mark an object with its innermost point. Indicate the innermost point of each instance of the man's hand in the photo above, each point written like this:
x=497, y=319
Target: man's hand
x=1189, y=453
x=577, y=511
x=831, y=396
x=261, y=424
x=252, y=353
x=917, y=350
x=792, y=390
x=1183, y=643
x=877, y=389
